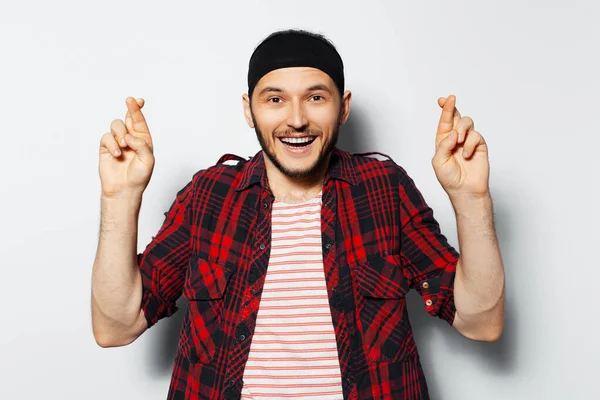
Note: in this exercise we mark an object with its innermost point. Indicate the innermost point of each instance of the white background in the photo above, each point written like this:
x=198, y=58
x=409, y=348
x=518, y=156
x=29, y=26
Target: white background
x=526, y=72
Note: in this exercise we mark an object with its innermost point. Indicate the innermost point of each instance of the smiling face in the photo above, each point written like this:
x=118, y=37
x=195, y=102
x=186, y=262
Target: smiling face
x=296, y=113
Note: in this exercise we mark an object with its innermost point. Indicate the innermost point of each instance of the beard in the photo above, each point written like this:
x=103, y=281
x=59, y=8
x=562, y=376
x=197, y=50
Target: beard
x=326, y=149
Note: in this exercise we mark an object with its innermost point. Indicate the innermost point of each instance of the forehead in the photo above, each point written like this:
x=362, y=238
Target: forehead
x=294, y=78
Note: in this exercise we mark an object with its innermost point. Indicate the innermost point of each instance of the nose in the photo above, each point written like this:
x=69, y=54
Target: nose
x=297, y=118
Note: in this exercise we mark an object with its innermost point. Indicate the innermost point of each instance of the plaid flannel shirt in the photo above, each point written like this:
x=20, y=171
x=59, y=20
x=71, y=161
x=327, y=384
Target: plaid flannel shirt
x=380, y=240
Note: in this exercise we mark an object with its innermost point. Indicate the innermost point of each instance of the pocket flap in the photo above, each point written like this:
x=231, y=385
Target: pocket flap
x=381, y=278
x=205, y=280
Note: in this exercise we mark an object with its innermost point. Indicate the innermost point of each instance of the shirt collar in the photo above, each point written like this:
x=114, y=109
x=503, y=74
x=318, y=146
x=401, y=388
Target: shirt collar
x=341, y=167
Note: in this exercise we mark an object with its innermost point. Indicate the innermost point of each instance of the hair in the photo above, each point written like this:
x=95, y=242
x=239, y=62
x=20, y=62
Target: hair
x=298, y=32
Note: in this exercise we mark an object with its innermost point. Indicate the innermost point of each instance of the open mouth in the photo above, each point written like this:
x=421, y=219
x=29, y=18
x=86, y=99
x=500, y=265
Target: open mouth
x=298, y=143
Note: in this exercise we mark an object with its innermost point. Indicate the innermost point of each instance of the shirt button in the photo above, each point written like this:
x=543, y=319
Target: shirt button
x=425, y=285
x=428, y=302
x=265, y=205
x=262, y=246
x=242, y=338
x=231, y=382
x=253, y=291
x=328, y=246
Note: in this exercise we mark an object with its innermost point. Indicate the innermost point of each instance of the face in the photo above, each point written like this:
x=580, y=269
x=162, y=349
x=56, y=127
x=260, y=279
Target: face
x=296, y=113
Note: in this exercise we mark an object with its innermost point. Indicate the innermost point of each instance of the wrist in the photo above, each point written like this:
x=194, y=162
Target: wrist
x=119, y=214
x=471, y=204
x=124, y=196
x=124, y=204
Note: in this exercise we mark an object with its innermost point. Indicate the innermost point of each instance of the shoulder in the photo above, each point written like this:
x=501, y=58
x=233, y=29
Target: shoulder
x=226, y=170
x=374, y=163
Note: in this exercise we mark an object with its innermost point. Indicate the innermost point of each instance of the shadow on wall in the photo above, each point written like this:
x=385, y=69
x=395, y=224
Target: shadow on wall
x=498, y=356
x=355, y=135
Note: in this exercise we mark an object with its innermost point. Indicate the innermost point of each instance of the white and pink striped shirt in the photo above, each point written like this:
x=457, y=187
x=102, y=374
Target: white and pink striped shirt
x=293, y=354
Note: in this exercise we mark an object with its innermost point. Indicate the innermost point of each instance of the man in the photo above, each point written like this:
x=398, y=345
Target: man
x=296, y=262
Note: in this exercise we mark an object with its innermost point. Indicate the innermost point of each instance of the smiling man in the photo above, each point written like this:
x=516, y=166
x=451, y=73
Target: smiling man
x=296, y=263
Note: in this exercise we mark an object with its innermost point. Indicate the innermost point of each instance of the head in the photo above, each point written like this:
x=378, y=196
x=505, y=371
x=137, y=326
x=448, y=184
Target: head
x=296, y=101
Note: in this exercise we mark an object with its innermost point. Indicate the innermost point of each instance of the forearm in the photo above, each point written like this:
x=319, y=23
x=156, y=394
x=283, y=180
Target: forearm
x=116, y=279
x=479, y=282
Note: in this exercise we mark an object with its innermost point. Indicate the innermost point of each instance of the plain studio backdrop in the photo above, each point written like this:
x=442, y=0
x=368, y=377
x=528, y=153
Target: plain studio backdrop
x=526, y=72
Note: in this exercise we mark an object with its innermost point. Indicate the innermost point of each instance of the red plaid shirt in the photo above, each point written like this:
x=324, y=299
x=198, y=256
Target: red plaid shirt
x=380, y=239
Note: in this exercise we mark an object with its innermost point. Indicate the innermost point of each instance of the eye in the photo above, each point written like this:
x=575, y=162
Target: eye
x=317, y=97
x=274, y=100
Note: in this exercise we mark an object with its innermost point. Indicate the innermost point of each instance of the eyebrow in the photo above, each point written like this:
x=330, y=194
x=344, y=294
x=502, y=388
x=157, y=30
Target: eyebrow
x=270, y=89
x=319, y=86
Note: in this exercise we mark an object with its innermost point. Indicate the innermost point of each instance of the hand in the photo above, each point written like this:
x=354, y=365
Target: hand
x=126, y=153
x=461, y=158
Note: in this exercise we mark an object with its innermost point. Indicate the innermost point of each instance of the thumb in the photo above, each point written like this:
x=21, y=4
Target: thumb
x=446, y=146
x=138, y=145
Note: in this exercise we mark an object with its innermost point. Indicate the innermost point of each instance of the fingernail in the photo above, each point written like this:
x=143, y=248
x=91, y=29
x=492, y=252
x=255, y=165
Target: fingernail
x=465, y=154
x=123, y=141
x=459, y=136
x=117, y=153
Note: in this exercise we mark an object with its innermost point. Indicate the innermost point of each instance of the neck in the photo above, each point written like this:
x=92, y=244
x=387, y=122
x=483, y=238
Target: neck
x=294, y=190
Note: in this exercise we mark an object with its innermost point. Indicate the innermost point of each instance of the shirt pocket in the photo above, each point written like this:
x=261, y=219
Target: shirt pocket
x=202, y=331
x=381, y=309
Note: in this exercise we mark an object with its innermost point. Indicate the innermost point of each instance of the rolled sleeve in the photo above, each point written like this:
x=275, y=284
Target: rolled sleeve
x=163, y=263
x=428, y=260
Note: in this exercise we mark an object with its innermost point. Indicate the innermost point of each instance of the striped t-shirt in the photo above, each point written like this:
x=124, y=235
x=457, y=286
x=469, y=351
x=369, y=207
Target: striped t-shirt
x=293, y=354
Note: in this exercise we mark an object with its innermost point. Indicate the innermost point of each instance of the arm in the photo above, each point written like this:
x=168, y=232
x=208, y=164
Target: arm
x=126, y=164
x=462, y=167
x=117, y=316
x=479, y=281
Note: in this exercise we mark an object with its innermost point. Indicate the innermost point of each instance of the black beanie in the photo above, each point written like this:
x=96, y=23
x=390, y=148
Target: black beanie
x=295, y=49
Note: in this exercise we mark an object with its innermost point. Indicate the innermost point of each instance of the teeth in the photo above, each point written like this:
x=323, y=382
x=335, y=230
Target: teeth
x=297, y=140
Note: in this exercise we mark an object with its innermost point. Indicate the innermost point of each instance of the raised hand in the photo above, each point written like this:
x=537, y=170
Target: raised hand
x=461, y=158
x=126, y=154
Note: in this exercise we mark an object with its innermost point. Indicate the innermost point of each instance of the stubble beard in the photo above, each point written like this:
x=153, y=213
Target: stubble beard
x=318, y=165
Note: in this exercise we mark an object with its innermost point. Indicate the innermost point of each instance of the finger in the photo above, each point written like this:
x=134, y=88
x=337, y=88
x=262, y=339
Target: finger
x=473, y=140
x=457, y=116
x=446, y=123
x=109, y=144
x=446, y=147
x=128, y=121
x=138, y=122
x=463, y=126
x=118, y=129
x=139, y=146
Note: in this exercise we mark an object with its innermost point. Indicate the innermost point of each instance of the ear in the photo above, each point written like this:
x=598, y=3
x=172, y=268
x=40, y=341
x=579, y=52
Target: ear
x=346, y=102
x=247, y=110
